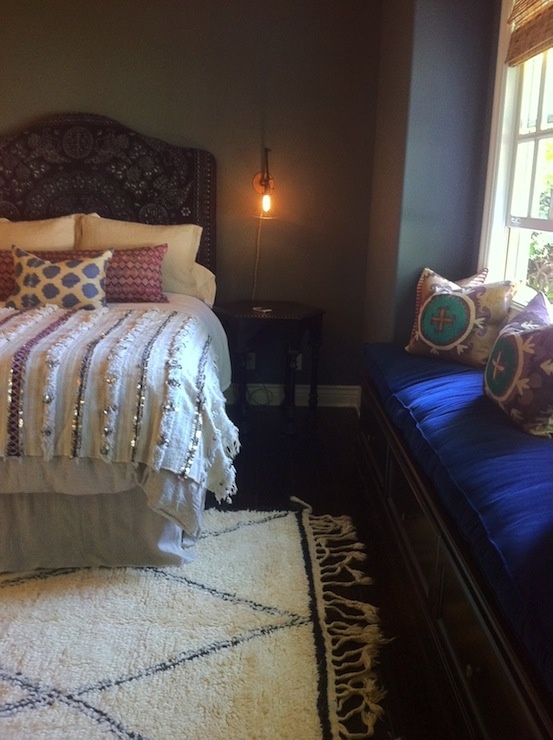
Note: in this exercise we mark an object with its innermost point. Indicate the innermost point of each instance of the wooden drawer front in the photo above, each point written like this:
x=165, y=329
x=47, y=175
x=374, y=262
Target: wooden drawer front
x=374, y=441
x=419, y=535
x=478, y=668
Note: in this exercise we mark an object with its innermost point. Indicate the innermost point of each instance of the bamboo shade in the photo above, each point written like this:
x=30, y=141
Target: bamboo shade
x=532, y=24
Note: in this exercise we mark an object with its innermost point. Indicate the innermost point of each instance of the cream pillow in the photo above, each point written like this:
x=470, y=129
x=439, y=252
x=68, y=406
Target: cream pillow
x=183, y=240
x=49, y=233
x=200, y=284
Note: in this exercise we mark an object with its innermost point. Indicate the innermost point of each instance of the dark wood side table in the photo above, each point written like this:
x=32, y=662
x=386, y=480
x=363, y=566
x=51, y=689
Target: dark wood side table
x=245, y=320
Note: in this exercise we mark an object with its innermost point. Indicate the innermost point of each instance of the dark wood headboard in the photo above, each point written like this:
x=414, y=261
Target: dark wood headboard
x=85, y=163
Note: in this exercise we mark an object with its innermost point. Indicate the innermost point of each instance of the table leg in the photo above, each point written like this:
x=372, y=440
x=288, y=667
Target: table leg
x=243, y=385
x=289, y=403
x=313, y=395
x=315, y=341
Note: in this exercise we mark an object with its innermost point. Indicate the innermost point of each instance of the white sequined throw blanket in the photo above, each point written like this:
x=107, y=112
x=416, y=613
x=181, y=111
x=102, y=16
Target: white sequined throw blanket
x=136, y=386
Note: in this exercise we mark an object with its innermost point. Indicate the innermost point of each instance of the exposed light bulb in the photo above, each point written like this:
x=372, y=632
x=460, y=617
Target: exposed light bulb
x=264, y=184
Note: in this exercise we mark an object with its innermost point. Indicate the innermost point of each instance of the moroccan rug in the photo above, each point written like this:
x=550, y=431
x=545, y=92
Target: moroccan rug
x=262, y=636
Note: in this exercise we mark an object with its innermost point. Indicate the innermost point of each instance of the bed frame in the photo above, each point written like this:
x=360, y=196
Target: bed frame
x=86, y=163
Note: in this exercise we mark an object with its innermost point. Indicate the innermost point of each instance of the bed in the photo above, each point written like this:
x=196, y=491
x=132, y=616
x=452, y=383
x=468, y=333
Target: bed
x=113, y=428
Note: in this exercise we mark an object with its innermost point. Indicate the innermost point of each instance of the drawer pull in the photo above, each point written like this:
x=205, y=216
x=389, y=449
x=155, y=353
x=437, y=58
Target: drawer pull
x=472, y=671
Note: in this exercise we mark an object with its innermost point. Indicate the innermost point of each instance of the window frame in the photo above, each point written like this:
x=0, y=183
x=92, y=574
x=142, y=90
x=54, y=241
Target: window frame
x=501, y=248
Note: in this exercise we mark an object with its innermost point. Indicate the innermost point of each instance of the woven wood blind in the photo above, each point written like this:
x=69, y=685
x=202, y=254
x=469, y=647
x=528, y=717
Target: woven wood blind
x=532, y=24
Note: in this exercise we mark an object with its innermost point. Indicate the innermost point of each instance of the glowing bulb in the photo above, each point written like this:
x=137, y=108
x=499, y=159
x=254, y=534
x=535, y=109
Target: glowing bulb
x=266, y=203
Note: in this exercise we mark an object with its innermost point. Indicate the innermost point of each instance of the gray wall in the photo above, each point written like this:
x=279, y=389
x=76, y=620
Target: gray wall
x=430, y=165
x=305, y=78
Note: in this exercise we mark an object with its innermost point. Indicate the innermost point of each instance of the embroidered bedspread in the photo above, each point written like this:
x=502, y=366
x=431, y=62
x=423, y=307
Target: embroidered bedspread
x=118, y=384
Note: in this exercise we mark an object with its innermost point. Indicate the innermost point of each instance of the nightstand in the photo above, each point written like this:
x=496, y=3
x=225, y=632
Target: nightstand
x=245, y=320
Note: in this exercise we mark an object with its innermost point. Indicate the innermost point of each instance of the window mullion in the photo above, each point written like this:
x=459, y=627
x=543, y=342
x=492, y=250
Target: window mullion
x=535, y=152
x=515, y=139
x=533, y=183
x=542, y=93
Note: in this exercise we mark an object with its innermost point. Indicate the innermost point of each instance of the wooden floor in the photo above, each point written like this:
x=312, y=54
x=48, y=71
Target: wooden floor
x=320, y=464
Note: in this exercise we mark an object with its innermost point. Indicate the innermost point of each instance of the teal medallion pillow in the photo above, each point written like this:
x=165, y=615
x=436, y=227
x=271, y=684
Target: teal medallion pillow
x=519, y=371
x=432, y=282
x=461, y=324
x=73, y=283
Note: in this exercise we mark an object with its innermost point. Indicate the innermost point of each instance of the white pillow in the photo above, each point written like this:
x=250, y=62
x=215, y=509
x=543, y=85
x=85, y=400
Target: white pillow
x=47, y=234
x=183, y=240
x=201, y=284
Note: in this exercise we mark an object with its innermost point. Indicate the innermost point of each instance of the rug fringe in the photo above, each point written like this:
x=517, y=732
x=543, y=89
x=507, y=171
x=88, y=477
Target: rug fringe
x=302, y=503
x=350, y=627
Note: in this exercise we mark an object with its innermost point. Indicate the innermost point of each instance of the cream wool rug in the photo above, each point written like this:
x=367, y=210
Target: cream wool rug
x=254, y=639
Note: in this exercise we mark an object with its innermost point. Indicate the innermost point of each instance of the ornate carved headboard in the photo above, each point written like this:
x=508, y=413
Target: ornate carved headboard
x=85, y=163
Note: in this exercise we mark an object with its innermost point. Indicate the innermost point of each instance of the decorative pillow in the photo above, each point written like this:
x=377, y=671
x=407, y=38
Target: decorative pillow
x=462, y=324
x=132, y=275
x=7, y=281
x=183, y=240
x=73, y=283
x=50, y=233
x=519, y=372
x=430, y=282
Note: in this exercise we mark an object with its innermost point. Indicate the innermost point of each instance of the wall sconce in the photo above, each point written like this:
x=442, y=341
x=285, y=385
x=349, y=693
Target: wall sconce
x=264, y=184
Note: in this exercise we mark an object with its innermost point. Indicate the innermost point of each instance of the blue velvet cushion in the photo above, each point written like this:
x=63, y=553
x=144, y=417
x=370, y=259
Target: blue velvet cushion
x=494, y=480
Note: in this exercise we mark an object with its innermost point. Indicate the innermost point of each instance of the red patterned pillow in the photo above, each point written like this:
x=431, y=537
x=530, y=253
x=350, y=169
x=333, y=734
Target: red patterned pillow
x=7, y=280
x=132, y=275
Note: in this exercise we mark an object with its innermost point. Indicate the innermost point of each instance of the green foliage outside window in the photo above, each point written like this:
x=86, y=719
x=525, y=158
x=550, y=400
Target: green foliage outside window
x=540, y=262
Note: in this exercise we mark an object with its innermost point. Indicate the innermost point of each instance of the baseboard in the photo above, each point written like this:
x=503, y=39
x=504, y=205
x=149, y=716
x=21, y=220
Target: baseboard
x=348, y=396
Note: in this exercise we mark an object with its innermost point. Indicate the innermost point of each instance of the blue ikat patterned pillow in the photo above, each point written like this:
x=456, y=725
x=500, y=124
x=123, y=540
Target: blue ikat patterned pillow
x=73, y=283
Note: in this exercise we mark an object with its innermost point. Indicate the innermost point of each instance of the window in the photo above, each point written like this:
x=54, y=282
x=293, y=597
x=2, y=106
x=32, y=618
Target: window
x=517, y=240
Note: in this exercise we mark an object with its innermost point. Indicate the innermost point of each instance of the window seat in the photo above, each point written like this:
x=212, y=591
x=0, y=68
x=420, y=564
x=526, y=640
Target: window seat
x=469, y=498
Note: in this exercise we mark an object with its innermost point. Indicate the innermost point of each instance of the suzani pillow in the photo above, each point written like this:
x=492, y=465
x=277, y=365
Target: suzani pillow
x=519, y=372
x=461, y=324
x=431, y=282
x=73, y=283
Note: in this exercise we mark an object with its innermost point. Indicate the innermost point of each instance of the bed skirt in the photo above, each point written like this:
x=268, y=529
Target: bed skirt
x=106, y=529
